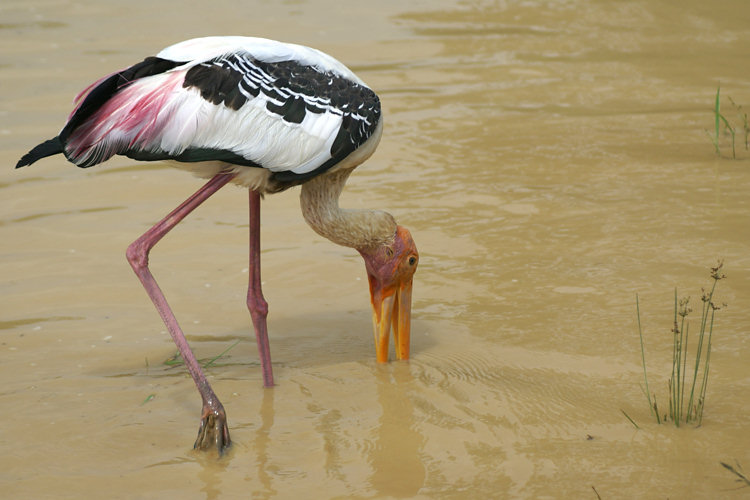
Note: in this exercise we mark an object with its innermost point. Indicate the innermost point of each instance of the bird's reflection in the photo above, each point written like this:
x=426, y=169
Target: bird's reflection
x=395, y=460
x=214, y=467
x=397, y=468
x=261, y=444
x=210, y=475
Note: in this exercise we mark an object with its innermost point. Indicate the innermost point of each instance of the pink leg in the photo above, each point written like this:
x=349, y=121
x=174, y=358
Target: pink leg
x=255, y=302
x=213, y=429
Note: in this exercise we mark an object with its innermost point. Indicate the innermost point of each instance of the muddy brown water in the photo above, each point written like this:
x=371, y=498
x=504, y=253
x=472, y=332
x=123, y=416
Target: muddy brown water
x=551, y=160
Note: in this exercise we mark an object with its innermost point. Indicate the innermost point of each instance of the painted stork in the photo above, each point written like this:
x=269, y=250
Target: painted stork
x=265, y=115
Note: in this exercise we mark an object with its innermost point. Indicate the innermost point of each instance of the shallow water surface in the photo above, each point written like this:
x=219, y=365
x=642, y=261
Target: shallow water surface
x=551, y=160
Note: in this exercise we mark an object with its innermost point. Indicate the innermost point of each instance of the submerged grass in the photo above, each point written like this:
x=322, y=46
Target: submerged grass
x=630, y=419
x=176, y=360
x=737, y=471
x=680, y=410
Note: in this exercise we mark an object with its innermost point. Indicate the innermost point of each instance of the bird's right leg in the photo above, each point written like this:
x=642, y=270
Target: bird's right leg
x=213, y=429
x=255, y=302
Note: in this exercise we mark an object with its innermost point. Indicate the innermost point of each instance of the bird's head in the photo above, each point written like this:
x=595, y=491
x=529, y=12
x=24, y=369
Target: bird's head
x=390, y=268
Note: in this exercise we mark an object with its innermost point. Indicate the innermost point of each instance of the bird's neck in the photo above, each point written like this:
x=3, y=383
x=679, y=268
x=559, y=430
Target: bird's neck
x=360, y=229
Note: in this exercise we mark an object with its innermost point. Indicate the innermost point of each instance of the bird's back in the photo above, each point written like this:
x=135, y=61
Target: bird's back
x=290, y=111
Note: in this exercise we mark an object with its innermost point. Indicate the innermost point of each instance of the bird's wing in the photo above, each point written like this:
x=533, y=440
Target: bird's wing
x=254, y=102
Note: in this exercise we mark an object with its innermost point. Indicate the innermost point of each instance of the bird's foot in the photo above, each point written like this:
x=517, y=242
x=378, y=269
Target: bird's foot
x=213, y=432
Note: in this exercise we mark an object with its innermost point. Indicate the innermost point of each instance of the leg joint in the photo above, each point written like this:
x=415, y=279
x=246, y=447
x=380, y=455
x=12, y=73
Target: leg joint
x=137, y=254
x=257, y=305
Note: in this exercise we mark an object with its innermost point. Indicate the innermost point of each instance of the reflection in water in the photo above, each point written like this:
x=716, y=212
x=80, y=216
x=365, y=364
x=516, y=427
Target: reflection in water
x=333, y=442
x=397, y=468
x=261, y=445
x=210, y=474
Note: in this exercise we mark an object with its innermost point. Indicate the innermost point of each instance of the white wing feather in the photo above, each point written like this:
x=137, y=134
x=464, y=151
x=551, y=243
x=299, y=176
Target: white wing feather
x=198, y=50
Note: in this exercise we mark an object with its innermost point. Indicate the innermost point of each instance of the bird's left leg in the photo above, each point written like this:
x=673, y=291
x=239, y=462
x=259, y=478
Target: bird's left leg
x=213, y=429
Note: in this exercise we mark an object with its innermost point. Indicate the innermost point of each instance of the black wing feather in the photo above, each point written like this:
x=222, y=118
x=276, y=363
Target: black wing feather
x=43, y=150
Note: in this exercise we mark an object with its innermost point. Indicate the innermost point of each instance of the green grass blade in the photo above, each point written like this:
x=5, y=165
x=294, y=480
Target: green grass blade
x=212, y=360
x=737, y=472
x=177, y=360
x=731, y=132
x=673, y=384
x=643, y=355
x=631, y=420
x=717, y=113
x=704, y=385
x=699, y=349
x=713, y=141
x=684, y=370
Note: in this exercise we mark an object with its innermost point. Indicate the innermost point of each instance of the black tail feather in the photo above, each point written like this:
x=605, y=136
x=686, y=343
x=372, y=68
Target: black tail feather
x=45, y=149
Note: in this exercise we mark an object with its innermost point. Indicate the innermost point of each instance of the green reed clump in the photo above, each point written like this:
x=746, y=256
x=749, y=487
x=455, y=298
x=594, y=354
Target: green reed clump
x=687, y=392
x=732, y=130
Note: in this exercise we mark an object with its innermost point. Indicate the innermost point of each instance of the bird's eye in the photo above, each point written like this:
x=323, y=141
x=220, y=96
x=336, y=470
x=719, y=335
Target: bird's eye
x=412, y=260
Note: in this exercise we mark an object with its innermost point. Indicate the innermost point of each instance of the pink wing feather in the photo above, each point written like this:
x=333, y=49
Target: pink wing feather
x=132, y=118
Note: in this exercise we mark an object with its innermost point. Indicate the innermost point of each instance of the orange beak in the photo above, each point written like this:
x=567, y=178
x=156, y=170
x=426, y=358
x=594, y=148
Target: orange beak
x=391, y=307
x=390, y=269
